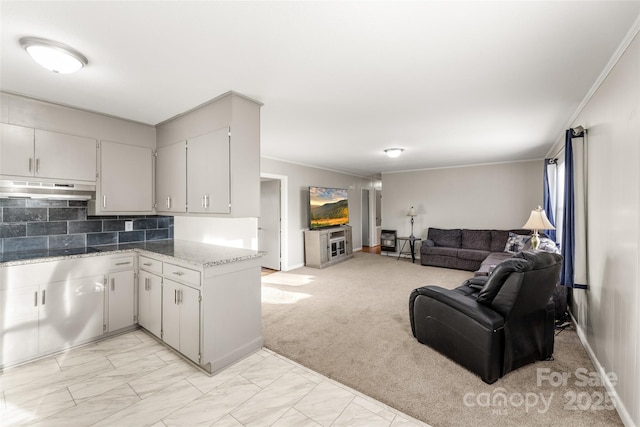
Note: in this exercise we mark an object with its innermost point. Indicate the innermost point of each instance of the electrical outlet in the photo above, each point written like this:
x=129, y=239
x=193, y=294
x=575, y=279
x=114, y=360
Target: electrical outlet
x=128, y=226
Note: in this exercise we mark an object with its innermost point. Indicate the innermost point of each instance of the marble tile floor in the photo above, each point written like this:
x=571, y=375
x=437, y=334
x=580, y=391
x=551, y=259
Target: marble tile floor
x=133, y=380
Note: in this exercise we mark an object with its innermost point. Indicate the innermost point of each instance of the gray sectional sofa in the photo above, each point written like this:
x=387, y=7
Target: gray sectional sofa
x=472, y=250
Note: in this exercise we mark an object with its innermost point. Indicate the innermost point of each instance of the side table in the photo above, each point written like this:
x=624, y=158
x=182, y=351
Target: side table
x=412, y=245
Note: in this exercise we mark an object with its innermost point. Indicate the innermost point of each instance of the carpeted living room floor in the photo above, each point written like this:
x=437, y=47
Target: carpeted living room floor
x=350, y=322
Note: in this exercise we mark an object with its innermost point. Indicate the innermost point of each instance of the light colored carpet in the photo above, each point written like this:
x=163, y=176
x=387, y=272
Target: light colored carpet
x=350, y=322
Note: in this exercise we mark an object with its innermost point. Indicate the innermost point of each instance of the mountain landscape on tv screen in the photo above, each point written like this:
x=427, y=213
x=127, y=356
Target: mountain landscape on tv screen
x=329, y=214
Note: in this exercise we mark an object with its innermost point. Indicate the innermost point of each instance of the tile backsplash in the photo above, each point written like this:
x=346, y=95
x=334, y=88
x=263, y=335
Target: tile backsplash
x=35, y=224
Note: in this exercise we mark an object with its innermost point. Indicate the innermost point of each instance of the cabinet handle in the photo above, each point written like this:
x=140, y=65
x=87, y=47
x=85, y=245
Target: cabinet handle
x=35, y=299
x=113, y=284
x=123, y=263
x=30, y=164
x=168, y=202
x=178, y=273
x=175, y=296
x=148, y=264
x=180, y=297
x=104, y=201
x=37, y=165
x=43, y=296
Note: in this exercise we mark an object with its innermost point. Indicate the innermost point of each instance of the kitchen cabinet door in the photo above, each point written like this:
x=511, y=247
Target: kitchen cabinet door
x=120, y=300
x=150, y=302
x=64, y=157
x=70, y=312
x=181, y=318
x=126, y=179
x=208, y=173
x=16, y=150
x=18, y=323
x=171, y=178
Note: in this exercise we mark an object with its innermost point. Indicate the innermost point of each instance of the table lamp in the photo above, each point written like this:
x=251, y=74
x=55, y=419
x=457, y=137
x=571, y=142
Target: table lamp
x=537, y=221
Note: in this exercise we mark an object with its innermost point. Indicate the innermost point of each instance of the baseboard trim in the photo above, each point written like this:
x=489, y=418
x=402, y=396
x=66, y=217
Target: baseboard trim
x=613, y=393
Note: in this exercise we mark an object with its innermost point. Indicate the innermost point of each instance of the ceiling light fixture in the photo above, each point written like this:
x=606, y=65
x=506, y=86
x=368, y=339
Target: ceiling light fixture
x=394, y=152
x=54, y=56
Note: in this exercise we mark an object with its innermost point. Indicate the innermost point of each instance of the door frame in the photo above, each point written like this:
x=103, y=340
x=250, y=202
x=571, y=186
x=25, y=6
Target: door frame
x=366, y=197
x=284, y=217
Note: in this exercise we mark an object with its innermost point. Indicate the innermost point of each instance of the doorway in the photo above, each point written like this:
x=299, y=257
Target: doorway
x=269, y=223
x=366, y=228
x=272, y=223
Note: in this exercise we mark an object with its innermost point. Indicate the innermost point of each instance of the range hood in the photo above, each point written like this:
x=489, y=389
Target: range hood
x=46, y=190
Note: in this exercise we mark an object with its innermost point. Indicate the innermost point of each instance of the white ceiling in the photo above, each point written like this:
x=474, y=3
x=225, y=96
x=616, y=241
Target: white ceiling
x=452, y=83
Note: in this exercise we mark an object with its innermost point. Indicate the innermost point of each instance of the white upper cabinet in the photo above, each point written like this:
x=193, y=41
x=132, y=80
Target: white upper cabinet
x=67, y=157
x=223, y=171
x=125, y=183
x=208, y=180
x=16, y=150
x=25, y=152
x=171, y=178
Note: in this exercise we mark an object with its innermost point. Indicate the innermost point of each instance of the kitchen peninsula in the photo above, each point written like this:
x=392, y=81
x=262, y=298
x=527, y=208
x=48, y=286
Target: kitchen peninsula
x=201, y=300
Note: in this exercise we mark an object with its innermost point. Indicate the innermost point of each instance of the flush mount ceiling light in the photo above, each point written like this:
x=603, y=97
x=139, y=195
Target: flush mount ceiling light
x=54, y=56
x=393, y=152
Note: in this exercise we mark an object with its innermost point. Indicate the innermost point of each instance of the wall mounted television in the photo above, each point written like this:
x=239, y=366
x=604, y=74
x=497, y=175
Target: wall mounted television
x=328, y=207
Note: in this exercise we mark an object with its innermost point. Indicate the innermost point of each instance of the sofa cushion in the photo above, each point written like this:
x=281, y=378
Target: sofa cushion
x=499, y=276
x=498, y=240
x=448, y=238
x=476, y=239
x=439, y=250
x=472, y=254
x=516, y=242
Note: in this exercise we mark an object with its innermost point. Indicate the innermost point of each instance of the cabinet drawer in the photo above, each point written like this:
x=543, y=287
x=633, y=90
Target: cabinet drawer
x=121, y=263
x=149, y=264
x=182, y=274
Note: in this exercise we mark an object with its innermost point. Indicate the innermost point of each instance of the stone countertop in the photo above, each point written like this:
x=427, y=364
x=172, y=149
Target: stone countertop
x=198, y=254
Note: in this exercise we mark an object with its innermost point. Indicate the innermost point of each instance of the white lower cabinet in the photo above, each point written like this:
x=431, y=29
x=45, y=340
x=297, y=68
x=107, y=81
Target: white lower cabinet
x=181, y=318
x=120, y=300
x=211, y=315
x=47, y=307
x=150, y=301
x=67, y=313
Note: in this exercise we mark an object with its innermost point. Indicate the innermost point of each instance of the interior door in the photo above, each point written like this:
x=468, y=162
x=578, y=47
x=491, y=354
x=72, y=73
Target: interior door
x=269, y=223
x=365, y=218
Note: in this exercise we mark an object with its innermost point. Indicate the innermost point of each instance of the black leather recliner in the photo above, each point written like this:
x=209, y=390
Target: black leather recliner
x=493, y=325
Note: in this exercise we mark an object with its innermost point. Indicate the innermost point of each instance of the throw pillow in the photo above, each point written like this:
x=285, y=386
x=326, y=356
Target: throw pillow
x=516, y=243
x=546, y=245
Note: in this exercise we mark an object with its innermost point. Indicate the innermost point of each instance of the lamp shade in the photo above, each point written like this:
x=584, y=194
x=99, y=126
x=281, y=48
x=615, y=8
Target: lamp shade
x=538, y=221
x=412, y=212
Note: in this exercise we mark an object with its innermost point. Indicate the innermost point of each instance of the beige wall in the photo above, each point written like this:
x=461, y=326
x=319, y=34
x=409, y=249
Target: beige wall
x=499, y=196
x=607, y=312
x=299, y=179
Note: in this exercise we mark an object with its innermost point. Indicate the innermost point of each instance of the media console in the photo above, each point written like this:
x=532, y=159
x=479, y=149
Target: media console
x=327, y=246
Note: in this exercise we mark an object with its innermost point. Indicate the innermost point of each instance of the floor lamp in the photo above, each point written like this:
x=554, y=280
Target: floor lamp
x=412, y=213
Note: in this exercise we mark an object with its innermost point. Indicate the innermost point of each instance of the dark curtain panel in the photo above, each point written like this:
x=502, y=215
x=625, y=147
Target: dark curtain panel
x=568, y=249
x=548, y=205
